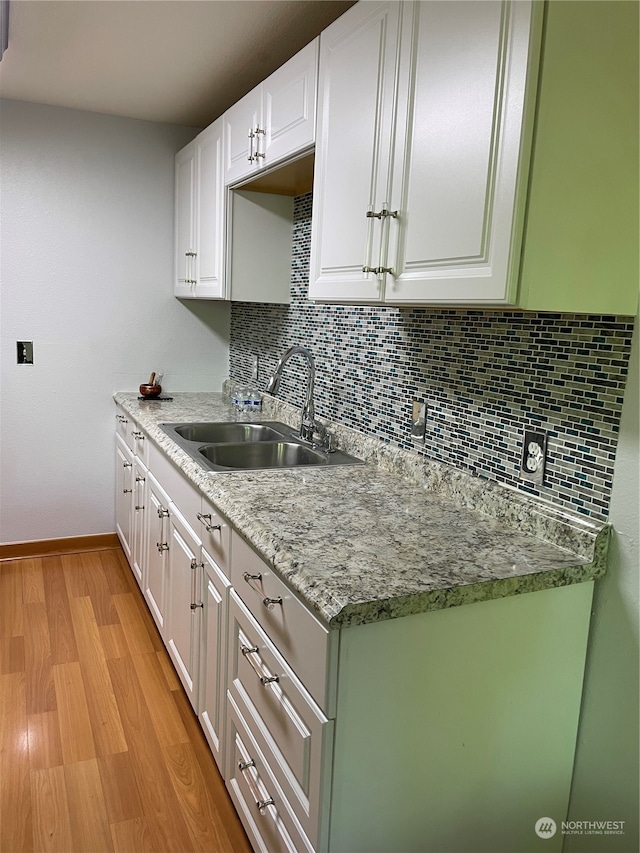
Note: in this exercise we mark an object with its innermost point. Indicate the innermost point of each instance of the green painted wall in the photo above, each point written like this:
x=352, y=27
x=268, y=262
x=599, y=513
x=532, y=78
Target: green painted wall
x=605, y=782
x=581, y=237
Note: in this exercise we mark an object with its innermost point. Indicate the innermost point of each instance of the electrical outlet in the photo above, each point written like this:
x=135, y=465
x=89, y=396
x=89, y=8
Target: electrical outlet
x=418, y=420
x=534, y=456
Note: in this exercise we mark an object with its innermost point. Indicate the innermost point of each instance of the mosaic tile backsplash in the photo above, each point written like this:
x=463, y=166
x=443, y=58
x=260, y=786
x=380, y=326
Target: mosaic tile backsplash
x=485, y=375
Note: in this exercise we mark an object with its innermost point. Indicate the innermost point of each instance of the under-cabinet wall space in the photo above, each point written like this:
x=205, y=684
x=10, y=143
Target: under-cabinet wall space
x=486, y=375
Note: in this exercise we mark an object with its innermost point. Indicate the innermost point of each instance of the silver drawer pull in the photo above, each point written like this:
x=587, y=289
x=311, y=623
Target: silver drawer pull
x=127, y=464
x=248, y=778
x=264, y=679
x=162, y=546
x=206, y=520
x=162, y=512
x=127, y=491
x=268, y=602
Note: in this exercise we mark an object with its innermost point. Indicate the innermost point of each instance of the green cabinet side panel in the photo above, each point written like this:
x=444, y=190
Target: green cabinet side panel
x=581, y=236
x=456, y=729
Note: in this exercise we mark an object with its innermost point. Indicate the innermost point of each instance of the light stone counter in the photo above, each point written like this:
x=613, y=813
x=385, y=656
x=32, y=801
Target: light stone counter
x=395, y=536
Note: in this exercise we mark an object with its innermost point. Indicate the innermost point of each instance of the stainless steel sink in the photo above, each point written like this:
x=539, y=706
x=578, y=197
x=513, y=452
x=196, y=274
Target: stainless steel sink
x=250, y=446
x=214, y=433
x=262, y=454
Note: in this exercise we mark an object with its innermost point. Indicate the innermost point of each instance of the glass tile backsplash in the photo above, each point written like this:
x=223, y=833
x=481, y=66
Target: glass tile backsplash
x=485, y=376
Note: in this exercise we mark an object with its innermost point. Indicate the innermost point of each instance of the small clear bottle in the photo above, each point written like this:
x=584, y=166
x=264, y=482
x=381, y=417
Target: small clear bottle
x=253, y=397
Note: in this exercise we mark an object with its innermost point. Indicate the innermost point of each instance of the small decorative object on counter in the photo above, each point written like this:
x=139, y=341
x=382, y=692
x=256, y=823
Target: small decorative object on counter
x=152, y=388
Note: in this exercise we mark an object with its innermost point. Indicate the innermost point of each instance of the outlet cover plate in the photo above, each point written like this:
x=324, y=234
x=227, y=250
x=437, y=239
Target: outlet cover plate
x=534, y=456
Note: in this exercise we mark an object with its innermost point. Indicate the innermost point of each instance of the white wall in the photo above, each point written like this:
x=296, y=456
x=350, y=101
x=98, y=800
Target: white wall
x=86, y=239
x=605, y=782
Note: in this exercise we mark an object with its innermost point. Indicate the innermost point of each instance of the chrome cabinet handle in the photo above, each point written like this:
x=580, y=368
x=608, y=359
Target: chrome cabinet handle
x=208, y=526
x=162, y=512
x=127, y=464
x=162, y=546
x=268, y=602
x=189, y=267
x=127, y=491
x=194, y=585
x=264, y=679
x=138, y=508
x=251, y=158
x=258, y=153
x=243, y=766
x=139, y=479
x=384, y=213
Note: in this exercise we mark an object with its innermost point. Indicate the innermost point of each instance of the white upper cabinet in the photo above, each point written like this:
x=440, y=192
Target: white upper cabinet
x=275, y=121
x=200, y=217
x=357, y=85
x=446, y=86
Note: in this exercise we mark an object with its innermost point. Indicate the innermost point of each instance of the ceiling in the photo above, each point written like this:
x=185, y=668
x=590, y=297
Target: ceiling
x=177, y=61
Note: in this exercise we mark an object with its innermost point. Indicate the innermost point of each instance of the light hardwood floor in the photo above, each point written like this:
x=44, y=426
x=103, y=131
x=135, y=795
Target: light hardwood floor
x=99, y=747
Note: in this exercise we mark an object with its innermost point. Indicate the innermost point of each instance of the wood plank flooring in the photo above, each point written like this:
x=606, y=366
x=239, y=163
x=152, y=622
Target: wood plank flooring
x=99, y=747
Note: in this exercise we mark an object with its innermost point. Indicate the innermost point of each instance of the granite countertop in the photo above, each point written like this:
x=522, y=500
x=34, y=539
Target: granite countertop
x=395, y=536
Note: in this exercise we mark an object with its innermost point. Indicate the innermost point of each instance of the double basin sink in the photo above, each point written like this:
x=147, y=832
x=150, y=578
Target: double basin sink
x=237, y=446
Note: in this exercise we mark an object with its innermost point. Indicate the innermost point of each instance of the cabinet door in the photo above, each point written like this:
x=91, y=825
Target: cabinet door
x=240, y=123
x=458, y=168
x=124, y=492
x=356, y=123
x=289, y=107
x=139, y=544
x=184, y=238
x=157, y=546
x=213, y=647
x=183, y=620
x=210, y=218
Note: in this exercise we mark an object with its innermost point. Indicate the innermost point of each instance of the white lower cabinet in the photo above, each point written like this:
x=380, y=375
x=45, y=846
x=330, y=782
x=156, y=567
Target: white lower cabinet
x=447, y=730
x=213, y=644
x=261, y=805
x=139, y=509
x=124, y=494
x=290, y=729
x=157, y=530
x=184, y=605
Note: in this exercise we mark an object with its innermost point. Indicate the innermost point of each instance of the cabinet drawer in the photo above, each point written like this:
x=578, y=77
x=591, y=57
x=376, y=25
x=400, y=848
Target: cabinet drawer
x=292, y=732
x=123, y=422
x=215, y=534
x=183, y=494
x=301, y=639
x=138, y=442
x=256, y=796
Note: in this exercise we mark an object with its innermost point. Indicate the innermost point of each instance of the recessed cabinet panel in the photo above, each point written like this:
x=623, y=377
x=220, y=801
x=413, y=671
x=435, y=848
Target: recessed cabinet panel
x=457, y=180
x=155, y=587
x=355, y=127
x=213, y=644
x=183, y=620
x=184, y=219
x=124, y=493
x=210, y=213
x=240, y=122
x=289, y=105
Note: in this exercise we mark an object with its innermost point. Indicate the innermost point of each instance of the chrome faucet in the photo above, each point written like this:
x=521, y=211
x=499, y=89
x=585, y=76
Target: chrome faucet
x=309, y=425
